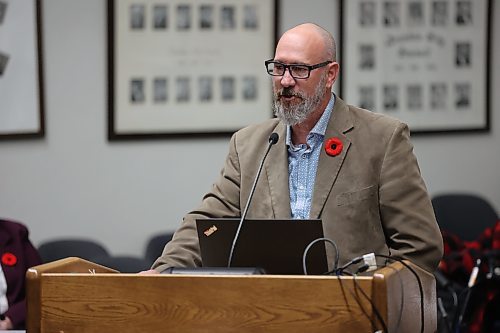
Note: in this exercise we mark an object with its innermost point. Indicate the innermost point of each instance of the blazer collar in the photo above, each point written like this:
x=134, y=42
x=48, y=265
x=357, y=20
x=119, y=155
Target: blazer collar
x=5, y=233
x=276, y=168
x=340, y=123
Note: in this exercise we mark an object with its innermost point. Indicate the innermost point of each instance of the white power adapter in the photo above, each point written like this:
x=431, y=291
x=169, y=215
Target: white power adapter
x=369, y=260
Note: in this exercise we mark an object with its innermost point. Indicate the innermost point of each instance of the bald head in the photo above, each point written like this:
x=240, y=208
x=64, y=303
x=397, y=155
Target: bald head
x=312, y=37
x=302, y=93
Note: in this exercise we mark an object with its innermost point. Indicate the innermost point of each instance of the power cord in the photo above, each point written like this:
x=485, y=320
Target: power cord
x=444, y=313
x=470, y=285
x=369, y=265
x=311, y=244
x=340, y=271
x=446, y=285
x=375, y=310
x=420, y=288
x=402, y=298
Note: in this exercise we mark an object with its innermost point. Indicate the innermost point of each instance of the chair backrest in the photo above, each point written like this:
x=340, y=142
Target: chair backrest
x=155, y=245
x=124, y=264
x=71, y=247
x=465, y=215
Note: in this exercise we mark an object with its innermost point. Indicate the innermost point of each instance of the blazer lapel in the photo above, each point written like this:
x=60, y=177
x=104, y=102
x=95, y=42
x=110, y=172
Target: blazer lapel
x=329, y=166
x=276, y=167
x=5, y=234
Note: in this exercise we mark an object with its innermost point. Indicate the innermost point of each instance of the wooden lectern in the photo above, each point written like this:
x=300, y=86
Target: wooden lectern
x=75, y=295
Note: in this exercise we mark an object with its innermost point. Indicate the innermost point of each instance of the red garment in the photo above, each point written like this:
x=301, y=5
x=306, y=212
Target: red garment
x=457, y=263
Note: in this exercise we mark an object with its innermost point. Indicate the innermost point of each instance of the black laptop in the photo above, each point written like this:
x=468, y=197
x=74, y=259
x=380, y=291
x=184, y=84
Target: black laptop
x=277, y=246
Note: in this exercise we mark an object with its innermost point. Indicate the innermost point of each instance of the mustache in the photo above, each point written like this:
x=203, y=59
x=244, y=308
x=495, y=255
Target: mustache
x=288, y=92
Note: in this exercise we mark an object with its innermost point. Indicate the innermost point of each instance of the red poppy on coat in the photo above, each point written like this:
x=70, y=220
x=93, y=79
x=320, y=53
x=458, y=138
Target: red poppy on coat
x=8, y=259
x=333, y=146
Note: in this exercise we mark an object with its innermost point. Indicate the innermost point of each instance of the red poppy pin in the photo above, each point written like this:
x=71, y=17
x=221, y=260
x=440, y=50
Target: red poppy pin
x=8, y=259
x=333, y=146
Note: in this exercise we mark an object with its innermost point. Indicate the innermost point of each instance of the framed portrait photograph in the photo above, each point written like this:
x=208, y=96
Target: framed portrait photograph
x=187, y=67
x=425, y=62
x=21, y=72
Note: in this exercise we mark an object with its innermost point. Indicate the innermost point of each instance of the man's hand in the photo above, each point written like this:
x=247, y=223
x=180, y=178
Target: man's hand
x=148, y=272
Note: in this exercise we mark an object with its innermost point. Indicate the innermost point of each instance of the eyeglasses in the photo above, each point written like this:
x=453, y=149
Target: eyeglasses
x=297, y=71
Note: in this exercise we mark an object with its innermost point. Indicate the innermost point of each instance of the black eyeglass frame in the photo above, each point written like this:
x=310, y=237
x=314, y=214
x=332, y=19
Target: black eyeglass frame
x=285, y=66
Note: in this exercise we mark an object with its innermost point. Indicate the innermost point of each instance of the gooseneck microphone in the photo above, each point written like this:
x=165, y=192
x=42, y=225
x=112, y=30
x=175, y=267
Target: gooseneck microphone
x=273, y=138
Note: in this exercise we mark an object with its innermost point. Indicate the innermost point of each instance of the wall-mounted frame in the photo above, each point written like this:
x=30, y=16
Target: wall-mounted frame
x=21, y=72
x=425, y=62
x=186, y=67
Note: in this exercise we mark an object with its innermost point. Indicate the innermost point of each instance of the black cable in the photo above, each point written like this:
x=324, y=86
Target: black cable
x=356, y=298
x=455, y=304
x=462, y=311
x=401, y=287
x=472, y=283
x=455, y=309
x=444, y=314
x=358, y=259
x=308, y=247
x=402, y=299
x=454, y=296
x=375, y=310
x=446, y=284
x=340, y=271
x=420, y=288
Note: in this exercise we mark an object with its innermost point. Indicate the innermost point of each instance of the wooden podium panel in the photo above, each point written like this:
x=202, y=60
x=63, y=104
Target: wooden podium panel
x=74, y=301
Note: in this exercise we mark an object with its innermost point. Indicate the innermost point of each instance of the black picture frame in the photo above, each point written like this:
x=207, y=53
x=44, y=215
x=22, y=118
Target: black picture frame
x=21, y=67
x=428, y=64
x=174, y=71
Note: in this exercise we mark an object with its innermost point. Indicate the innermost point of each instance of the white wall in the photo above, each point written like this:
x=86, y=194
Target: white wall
x=74, y=182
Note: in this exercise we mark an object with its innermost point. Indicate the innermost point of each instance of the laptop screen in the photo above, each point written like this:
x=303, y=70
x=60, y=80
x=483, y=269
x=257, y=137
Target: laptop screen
x=277, y=246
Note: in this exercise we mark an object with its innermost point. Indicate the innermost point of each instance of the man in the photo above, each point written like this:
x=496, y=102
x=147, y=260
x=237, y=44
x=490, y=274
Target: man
x=351, y=168
x=17, y=254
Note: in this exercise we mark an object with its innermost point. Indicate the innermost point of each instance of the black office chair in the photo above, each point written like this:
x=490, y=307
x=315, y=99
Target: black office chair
x=465, y=215
x=124, y=264
x=155, y=246
x=71, y=247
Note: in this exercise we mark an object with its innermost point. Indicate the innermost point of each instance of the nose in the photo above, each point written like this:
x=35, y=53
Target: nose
x=287, y=79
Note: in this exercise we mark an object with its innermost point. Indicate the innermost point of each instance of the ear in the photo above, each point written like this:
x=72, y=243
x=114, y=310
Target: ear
x=333, y=73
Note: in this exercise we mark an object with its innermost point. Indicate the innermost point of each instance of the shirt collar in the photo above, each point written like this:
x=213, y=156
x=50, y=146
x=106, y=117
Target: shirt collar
x=321, y=125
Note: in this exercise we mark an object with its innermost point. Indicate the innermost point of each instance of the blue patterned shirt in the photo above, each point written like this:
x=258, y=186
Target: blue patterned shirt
x=303, y=163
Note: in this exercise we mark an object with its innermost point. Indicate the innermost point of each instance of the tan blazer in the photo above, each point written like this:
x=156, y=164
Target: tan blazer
x=371, y=197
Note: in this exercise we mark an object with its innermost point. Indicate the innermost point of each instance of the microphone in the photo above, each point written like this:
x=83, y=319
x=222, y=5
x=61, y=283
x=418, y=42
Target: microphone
x=273, y=139
x=470, y=284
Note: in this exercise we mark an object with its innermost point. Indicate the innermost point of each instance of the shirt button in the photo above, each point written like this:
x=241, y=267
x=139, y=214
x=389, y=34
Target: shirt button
x=304, y=156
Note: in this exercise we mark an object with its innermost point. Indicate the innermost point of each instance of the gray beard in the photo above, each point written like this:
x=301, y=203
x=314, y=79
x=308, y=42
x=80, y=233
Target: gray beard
x=297, y=113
